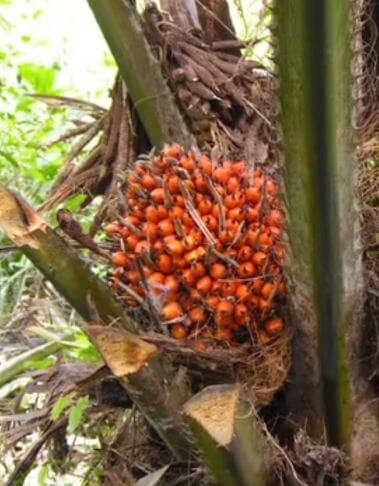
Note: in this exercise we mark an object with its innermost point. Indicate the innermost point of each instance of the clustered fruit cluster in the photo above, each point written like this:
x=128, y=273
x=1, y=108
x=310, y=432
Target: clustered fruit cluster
x=201, y=243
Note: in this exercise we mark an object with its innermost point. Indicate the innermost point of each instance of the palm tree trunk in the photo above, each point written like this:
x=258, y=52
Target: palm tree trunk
x=314, y=58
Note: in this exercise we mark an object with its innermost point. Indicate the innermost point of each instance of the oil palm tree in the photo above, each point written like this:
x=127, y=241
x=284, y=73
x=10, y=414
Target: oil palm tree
x=313, y=54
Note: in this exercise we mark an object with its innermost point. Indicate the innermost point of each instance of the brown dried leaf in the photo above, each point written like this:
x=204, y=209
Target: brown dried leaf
x=18, y=220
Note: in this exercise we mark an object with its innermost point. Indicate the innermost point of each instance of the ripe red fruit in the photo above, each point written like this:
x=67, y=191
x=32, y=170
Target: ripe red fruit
x=204, y=285
x=121, y=259
x=164, y=263
x=241, y=313
x=253, y=195
x=171, y=311
x=197, y=315
x=274, y=326
x=259, y=258
x=178, y=331
x=157, y=195
x=246, y=270
x=218, y=270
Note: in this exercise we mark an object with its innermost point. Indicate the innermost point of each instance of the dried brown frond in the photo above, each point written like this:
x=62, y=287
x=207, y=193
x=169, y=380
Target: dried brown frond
x=226, y=98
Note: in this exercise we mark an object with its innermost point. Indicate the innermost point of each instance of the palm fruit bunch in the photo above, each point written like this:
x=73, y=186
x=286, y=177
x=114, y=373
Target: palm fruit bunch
x=200, y=243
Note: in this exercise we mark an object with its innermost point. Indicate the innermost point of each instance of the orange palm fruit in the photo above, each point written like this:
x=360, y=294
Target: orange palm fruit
x=234, y=200
x=251, y=237
x=232, y=184
x=151, y=214
x=190, y=242
x=172, y=283
x=228, y=288
x=212, y=302
x=274, y=326
x=265, y=240
x=173, y=184
x=188, y=277
x=259, y=258
x=275, y=218
x=241, y=314
x=197, y=315
x=164, y=263
x=205, y=165
x=179, y=263
x=157, y=195
x=121, y=259
x=133, y=276
x=225, y=308
x=155, y=283
x=114, y=227
x=257, y=285
x=216, y=211
x=200, y=183
x=175, y=247
x=132, y=220
x=275, y=232
x=253, y=301
x=178, y=331
x=165, y=227
x=156, y=277
x=205, y=207
x=271, y=187
x=239, y=168
x=173, y=150
x=232, y=226
x=188, y=163
x=253, y=195
x=201, y=346
x=217, y=287
x=142, y=246
x=171, y=310
x=148, y=182
x=236, y=214
x=198, y=269
x=242, y=293
x=226, y=236
x=279, y=252
x=246, y=269
x=218, y=270
x=210, y=222
x=195, y=297
x=267, y=290
x=204, y=285
x=176, y=212
x=281, y=288
x=191, y=256
x=150, y=230
x=131, y=242
x=221, y=175
x=245, y=253
x=263, y=304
